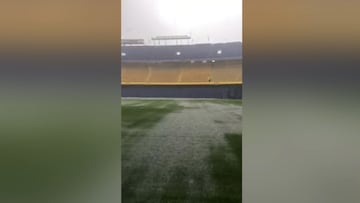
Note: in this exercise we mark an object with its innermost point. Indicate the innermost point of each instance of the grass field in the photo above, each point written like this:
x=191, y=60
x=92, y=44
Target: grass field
x=181, y=150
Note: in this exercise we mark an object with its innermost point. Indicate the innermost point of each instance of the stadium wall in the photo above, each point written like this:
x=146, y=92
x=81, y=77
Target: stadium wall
x=229, y=91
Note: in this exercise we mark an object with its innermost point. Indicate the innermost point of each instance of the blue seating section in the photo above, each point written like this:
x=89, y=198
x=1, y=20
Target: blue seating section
x=196, y=52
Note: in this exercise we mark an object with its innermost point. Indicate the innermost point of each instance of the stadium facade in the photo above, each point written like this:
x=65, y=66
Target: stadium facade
x=183, y=71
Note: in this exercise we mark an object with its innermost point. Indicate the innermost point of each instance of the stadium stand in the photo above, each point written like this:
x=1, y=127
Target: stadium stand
x=227, y=71
x=134, y=72
x=197, y=52
x=164, y=73
x=197, y=72
x=205, y=70
x=171, y=72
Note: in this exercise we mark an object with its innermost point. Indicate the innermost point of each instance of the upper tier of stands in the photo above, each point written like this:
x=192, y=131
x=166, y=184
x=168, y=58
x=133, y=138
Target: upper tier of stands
x=196, y=52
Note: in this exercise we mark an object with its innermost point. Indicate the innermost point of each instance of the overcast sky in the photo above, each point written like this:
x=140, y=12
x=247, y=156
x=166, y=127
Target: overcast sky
x=217, y=20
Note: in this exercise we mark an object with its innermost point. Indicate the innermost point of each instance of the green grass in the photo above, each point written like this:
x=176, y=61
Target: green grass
x=224, y=160
x=237, y=102
x=145, y=115
x=134, y=178
x=226, y=164
x=136, y=119
x=177, y=187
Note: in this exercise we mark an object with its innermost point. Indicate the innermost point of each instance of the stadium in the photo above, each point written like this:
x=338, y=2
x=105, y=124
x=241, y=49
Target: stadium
x=182, y=71
x=181, y=120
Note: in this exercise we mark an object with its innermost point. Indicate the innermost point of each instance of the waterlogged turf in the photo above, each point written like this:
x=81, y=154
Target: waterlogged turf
x=181, y=150
x=144, y=114
x=220, y=101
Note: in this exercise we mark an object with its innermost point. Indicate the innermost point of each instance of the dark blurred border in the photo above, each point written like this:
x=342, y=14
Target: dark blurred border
x=301, y=101
x=60, y=101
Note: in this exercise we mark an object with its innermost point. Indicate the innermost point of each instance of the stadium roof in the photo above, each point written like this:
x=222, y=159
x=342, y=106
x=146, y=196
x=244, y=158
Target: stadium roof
x=132, y=41
x=197, y=52
x=174, y=37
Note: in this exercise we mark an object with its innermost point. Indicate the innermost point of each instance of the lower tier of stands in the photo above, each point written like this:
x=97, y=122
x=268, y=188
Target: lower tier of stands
x=216, y=72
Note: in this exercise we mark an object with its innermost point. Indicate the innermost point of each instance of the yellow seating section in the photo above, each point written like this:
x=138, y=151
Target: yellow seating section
x=227, y=72
x=164, y=73
x=134, y=72
x=196, y=72
x=182, y=73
